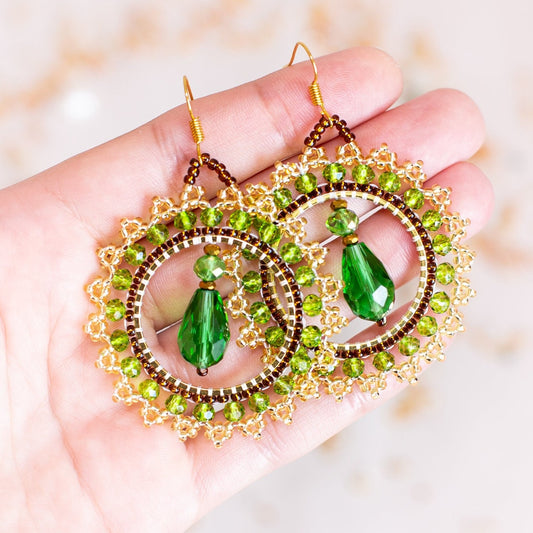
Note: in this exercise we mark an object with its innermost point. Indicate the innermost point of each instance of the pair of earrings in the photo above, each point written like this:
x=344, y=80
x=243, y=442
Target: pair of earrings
x=297, y=322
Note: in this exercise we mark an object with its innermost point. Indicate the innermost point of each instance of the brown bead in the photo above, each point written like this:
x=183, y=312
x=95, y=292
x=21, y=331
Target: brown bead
x=212, y=249
x=338, y=204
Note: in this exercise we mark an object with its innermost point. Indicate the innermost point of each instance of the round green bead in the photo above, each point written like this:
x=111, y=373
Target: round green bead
x=413, y=198
x=257, y=222
x=408, y=345
x=383, y=361
x=259, y=402
x=363, y=174
x=312, y=305
x=248, y=255
x=442, y=244
x=185, y=220
x=176, y=404
x=275, y=336
x=327, y=366
x=305, y=183
x=343, y=222
x=445, y=273
x=209, y=267
x=251, y=281
x=157, y=234
x=135, y=254
x=260, y=312
x=431, y=220
x=305, y=276
x=334, y=172
x=282, y=198
x=283, y=385
x=211, y=216
x=439, y=302
x=389, y=182
x=149, y=389
x=311, y=336
x=240, y=220
x=353, y=367
x=269, y=233
x=233, y=411
x=203, y=412
x=122, y=279
x=131, y=367
x=300, y=362
x=115, y=310
x=291, y=253
x=427, y=326
x=119, y=340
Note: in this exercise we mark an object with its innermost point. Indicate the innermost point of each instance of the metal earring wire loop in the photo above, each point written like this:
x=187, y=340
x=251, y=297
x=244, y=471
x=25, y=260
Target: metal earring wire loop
x=195, y=124
x=314, y=88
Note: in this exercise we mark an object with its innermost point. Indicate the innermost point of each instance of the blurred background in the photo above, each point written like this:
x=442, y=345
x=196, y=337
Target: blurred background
x=453, y=453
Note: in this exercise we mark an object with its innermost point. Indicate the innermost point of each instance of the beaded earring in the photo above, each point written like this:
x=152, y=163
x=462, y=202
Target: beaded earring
x=403, y=338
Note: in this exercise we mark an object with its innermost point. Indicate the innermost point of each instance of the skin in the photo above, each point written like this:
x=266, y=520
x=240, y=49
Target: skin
x=71, y=458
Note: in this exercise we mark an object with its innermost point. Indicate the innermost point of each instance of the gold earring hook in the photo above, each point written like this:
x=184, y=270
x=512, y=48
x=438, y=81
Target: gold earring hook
x=314, y=88
x=195, y=124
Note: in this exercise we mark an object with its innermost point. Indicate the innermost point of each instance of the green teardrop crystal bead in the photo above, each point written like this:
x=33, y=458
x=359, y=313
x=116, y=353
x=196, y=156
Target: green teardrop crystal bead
x=368, y=288
x=204, y=332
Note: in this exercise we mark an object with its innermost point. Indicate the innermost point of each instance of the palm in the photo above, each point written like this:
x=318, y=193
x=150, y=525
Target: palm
x=73, y=456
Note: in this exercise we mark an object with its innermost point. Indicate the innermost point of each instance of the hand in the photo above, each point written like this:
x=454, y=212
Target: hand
x=74, y=460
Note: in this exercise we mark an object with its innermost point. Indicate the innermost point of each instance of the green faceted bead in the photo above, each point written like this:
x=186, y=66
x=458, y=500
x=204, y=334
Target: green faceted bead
x=258, y=222
x=442, y=244
x=149, y=389
x=248, y=255
x=431, y=220
x=300, y=362
x=240, y=220
x=185, y=220
x=122, y=279
x=342, y=222
x=157, y=234
x=211, y=216
x=282, y=198
x=408, y=345
x=115, y=310
x=259, y=402
x=368, y=288
x=305, y=276
x=275, y=336
x=204, y=331
x=176, y=404
x=311, y=336
x=283, y=385
x=251, y=281
x=269, y=233
x=131, y=367
x=334, y=172
x=305, y=183
x=135, y=254
x=383, y=361
x=363, y=174
x=291, y=253
x=353, y=367
x=203, y=412
x=413, y=198
x=390, y=182
x=312, y=305
x=209, y=267
x=427, y=326
x=445, y=273
x=119, y=340
x=233, y=411
x=439, y=302
x=260, y=312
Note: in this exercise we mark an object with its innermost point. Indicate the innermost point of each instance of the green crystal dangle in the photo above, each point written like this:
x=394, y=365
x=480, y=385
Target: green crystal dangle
x=368, y=288
x=204, y=332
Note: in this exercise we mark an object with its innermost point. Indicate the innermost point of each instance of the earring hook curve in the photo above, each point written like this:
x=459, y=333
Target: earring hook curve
x=197, y=131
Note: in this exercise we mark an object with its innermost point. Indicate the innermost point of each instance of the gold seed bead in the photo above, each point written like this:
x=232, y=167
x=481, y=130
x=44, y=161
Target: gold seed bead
x=338, y=204
x=212, y=249
x=209, y=285
x=350, y=239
